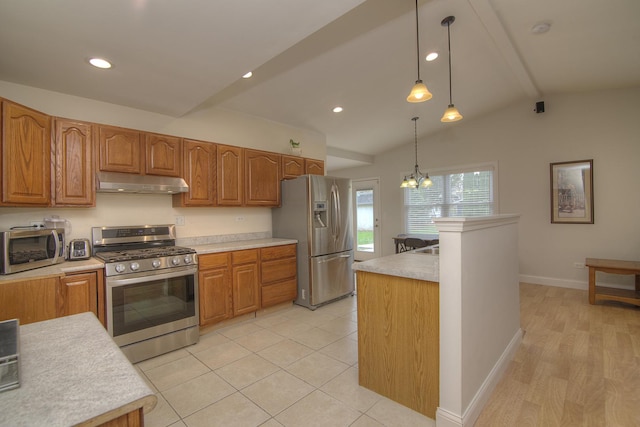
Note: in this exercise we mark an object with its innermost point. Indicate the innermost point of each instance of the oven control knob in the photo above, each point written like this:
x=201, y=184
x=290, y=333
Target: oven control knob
x=175, y=260
x=188, y=259
x=134, y=266
x=155, y=263
x=120, y=268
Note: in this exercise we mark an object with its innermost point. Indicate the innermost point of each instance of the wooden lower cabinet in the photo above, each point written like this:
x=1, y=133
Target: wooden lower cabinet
x=79, y=293
x=215, y=290
x=246, y=288
x=29, y=301
x=278, y=275
x=240, y=282
x=39, y=299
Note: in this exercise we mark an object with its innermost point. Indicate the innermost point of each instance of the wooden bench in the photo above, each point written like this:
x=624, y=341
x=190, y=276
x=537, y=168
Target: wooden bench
x=602, y=293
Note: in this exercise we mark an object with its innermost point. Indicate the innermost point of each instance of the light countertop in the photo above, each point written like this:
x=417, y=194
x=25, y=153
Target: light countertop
x=240, y=245
x=72, y=373
x=67, y=267
x=421, y=266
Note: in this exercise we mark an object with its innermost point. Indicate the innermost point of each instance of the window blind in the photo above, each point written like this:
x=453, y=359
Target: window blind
x=453, y=194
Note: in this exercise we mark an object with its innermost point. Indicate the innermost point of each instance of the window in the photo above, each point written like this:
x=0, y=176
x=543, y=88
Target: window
x=463, y=191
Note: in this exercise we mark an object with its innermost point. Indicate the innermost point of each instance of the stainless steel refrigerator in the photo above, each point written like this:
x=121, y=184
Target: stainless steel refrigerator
x=316, y=210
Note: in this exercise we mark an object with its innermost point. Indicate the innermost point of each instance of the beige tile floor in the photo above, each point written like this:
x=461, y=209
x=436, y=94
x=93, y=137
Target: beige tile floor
x=294, y=367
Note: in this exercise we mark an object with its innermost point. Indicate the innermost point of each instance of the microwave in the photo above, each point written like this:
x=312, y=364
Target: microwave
x=26, y=249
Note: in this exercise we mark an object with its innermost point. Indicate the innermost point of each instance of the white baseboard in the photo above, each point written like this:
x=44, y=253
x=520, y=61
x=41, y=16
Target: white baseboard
x=445, y=418
x=571, y=284
x=552, y=281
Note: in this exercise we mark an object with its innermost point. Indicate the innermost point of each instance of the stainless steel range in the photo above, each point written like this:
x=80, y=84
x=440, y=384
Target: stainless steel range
x=151, y=287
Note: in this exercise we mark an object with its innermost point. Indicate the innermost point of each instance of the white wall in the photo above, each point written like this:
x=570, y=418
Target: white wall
x=215, y=125
x=603, y=126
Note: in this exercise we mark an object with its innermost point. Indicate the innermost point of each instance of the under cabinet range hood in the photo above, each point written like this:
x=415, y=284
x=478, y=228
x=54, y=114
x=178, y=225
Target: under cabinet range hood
x=113, y=182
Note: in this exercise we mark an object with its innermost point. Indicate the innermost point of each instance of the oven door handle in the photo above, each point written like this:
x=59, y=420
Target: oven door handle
x=146, y=277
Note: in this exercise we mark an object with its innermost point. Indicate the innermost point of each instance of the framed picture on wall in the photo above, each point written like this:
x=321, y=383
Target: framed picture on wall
x=572, y=192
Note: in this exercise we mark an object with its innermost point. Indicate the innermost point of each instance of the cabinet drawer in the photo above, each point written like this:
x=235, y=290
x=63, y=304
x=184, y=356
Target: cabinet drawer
x=278, y=293
x=213, y=260
x=274, y=271
x=244, y=257
x=277, y=252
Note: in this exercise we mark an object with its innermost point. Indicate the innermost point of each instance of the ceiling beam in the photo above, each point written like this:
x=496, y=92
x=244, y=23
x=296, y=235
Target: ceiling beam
x=489, y=18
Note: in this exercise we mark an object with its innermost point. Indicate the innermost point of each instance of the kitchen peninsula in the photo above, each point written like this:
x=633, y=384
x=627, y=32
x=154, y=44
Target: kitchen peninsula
x=398, y=328
x=72, y=373
x=436, y=332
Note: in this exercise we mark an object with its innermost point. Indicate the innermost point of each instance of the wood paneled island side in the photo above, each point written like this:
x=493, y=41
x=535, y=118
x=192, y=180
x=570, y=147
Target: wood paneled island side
x=398, y=329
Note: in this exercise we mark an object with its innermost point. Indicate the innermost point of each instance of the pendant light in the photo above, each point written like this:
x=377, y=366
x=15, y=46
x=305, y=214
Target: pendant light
x=416, y=179
x=419, y=93
x=451, y=114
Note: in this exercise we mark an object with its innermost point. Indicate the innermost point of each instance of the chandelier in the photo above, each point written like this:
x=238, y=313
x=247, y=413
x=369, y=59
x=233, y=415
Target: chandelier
x=416, y=179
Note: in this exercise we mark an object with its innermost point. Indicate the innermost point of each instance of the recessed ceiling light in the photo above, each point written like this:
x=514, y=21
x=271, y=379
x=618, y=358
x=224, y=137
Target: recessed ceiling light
x=431, y=56
x=541, y=28
x=100, y=63
x=337, y=109
x=246, y=76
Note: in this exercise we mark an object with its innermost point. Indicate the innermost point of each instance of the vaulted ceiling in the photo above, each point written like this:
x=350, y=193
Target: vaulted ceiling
x=307, y=56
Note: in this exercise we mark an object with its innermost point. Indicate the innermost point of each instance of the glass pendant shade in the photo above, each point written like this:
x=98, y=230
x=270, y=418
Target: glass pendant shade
x=451, y=114
x=426, y=182
x=405, y=183
x=419, y=93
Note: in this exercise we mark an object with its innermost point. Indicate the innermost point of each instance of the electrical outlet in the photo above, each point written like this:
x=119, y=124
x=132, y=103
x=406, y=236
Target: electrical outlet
x=578, y=264
x=304, y=294
x=37, y=224
x=239, y=218
x=180, y=220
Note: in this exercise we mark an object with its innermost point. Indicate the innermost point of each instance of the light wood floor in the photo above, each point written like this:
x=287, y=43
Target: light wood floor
x=577, y=365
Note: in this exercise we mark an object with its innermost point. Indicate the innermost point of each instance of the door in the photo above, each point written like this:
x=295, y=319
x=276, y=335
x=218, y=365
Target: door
x=366, y=214
x=330, y=215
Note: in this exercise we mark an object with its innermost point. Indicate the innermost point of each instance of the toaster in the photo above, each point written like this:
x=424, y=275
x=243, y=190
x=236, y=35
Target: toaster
x=79, y=249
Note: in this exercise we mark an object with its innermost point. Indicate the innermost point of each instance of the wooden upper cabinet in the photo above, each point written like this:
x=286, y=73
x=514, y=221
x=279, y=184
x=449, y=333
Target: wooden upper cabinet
x=229, y=175
x=26, y=156
x=200, y=174
x=262, y=178
x=292, y=166
x=119, y=150
x=313, y=167
x=163, y=155
x=74, y=167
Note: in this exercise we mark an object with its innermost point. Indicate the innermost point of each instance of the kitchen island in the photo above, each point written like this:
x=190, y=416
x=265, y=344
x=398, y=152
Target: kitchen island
x=73, y=374
x=435, y=333
x=398, y=328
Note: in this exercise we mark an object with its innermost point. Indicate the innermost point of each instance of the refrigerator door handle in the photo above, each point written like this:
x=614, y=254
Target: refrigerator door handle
x=324, y=261
x=335, y=211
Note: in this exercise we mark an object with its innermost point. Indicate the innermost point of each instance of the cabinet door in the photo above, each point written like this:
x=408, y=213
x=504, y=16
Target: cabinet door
x=74, y=164
x=162, y=155
x=216, y=302
x=292, y=167
x=229, y=175
x=26, y=156
x=119, y=150
x=78, y=294
x=313, y=167
x=199, y=173
x=262, y=178
x=29, y=301
x=246, y=289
